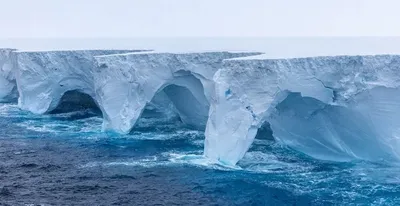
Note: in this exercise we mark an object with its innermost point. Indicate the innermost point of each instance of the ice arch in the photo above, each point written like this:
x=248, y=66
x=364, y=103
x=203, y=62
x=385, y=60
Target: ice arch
x=291, y=93
x=44, y=77
x=187, y=95
x=126, y=83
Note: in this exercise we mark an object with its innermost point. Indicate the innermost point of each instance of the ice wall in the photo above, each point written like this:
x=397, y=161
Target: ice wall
x=8, y=87
x=334, y=108
x=44, y=77
x=126, y=83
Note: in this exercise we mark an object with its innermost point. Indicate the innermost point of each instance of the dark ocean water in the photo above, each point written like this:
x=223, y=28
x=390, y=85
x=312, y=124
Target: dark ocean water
x=64, y=159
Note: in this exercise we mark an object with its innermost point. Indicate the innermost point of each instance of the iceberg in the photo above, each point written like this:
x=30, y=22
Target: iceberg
x=336, y=108
x=8, y=87
x=43, y=77
x=126, y=83
x=333, y=108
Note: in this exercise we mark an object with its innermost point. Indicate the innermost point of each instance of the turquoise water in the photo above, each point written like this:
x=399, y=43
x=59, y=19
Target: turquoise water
x=64, y=159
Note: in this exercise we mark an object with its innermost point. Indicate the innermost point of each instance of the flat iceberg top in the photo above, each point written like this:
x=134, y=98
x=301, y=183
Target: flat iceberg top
x=205, y=63
x=255, y=53
x=202, y=53
x=93, y=52
x=273, y=47
x=7, y=49
x=266, y=57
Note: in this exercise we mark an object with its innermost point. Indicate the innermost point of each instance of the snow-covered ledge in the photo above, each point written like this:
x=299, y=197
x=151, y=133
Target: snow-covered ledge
x=126, y=83
x=334, y=108
x=43, y=77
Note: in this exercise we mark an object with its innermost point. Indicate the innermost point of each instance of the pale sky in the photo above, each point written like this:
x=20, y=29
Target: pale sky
x=177, y=18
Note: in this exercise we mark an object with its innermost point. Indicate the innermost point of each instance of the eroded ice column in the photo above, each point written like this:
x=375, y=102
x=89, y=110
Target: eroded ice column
x=8, y=87
x=44, y=77
x=125, y=84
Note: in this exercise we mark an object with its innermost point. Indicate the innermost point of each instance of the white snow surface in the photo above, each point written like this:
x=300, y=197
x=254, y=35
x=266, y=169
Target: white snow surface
x=43, y=77
x=8, y=87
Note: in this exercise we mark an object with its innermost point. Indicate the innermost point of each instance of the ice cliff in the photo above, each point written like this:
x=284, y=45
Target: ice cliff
x=126, y=83
x=44, y=77
x=332, y=108
x=8, y=87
